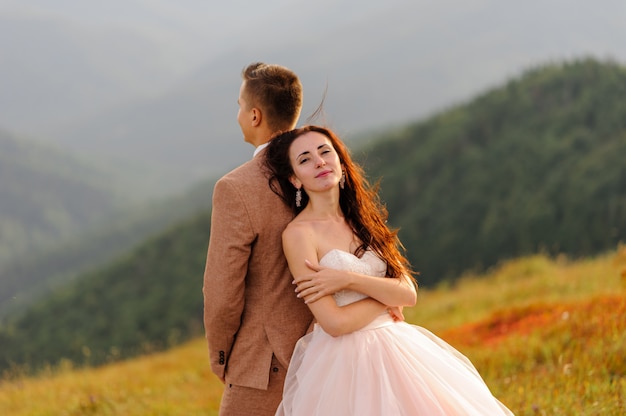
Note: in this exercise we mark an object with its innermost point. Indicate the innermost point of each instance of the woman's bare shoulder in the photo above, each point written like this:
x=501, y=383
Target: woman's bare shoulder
x=298, y=229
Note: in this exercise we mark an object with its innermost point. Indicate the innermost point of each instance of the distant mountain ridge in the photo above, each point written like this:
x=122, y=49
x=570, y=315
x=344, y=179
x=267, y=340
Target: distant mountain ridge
x=26, y=277
x=533, y=165
x=47, y=195
x=155, y=83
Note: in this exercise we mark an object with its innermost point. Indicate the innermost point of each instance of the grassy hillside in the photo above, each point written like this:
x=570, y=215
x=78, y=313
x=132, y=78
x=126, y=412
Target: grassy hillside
x=547, y=335
x=535, y=165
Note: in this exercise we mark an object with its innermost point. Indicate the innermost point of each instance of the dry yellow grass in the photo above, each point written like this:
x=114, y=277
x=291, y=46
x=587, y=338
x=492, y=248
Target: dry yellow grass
x=175, y=382
x=553, y=370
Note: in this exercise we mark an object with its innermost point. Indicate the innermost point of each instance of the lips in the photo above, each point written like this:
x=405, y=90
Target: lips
x=323, y=174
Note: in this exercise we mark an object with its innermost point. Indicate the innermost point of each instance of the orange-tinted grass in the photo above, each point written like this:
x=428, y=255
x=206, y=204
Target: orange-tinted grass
x=519, y=283
x=600, y=316
x=552, y=359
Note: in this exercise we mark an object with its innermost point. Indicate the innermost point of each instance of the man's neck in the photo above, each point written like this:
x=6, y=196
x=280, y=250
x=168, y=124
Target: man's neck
x=259, y=148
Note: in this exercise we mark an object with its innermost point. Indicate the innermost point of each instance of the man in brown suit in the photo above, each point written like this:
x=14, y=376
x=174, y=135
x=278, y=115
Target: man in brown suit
x=251, y=314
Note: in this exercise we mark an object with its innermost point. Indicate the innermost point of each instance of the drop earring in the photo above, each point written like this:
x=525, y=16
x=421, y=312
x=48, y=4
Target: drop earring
x=298, y=198
x=342, y=181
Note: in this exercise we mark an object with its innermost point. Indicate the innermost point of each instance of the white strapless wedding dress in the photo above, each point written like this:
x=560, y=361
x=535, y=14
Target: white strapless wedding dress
x=385, y=369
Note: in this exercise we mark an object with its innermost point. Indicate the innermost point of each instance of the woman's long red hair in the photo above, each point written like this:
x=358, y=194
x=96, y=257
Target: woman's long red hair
x=359, y=201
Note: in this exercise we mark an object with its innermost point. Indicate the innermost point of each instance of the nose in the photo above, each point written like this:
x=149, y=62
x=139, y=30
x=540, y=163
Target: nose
x=319, y=162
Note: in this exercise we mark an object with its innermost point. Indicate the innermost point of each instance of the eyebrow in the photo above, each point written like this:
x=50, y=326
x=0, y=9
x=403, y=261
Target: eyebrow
x=306, y=152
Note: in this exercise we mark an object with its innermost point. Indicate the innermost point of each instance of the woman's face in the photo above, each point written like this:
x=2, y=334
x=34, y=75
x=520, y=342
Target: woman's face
x=315, y=163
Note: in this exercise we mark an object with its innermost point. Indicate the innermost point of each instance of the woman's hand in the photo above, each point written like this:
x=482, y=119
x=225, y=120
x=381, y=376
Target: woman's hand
x=396, y=313
x=321, y=282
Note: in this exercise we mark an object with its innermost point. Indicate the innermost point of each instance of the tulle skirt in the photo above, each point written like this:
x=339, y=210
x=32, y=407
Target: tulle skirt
x=386, y=368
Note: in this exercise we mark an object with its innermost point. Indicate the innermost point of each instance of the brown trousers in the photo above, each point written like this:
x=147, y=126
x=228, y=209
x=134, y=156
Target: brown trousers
x=246, y=401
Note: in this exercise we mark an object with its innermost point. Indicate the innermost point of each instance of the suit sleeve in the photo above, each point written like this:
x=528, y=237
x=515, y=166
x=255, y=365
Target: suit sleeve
x=230, y=243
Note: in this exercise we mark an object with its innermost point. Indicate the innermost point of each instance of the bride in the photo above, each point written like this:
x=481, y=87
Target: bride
x=361, y=358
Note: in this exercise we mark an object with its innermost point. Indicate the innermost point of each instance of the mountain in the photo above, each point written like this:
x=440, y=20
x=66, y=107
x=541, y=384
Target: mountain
x=61, y=215
x=533, y=165
x=28, y=277
x=150, y=298
x=47, y=195
x=155, y=84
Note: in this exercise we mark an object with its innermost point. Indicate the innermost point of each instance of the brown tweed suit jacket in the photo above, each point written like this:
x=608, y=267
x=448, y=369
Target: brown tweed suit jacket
x=250, y=308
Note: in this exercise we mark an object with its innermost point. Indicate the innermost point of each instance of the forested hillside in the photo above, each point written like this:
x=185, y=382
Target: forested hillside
x=147, y=300
x=536, y=165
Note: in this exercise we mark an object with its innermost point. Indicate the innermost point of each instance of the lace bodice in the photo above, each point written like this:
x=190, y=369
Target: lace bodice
x=368, y=264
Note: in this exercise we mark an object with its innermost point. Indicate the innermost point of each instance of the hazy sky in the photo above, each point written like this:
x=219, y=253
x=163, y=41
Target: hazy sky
x=66, y=63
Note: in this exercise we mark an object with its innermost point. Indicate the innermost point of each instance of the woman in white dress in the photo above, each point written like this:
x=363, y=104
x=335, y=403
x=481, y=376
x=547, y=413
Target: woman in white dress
x=361, y=358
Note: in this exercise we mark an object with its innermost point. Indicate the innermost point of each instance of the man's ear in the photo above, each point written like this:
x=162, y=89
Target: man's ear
x=256, y=117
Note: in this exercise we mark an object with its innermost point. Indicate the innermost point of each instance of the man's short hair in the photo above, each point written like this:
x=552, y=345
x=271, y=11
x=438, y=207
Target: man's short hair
x=276, y=91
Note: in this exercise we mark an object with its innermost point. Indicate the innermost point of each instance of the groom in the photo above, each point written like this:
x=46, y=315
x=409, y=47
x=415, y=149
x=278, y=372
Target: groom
x=252, y=317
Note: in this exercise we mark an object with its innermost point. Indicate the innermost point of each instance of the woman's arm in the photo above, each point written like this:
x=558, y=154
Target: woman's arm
x=298, y=245
x=320, y=281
